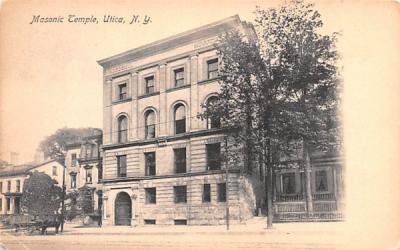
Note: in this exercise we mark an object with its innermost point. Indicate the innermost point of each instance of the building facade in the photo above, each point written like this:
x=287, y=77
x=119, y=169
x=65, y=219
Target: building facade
x=12, y=180
x=327, y=190
x=161, y=162
x=83, y=161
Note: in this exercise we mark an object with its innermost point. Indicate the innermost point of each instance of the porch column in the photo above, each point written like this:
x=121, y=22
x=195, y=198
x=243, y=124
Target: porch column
x=133, y=219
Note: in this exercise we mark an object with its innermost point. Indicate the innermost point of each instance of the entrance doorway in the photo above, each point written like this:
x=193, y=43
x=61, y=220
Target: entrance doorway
x=123, y=209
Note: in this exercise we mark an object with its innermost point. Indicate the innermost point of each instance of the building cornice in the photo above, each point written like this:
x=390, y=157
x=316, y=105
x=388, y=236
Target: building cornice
x=165, y=139
x=172, y=42
x=154, y=177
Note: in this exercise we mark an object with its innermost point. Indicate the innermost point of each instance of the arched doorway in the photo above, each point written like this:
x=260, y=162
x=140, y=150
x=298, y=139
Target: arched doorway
x=123, y=209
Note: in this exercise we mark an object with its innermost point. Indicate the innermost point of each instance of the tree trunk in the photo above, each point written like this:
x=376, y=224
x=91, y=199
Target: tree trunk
x=268, y=184
x=307, y=179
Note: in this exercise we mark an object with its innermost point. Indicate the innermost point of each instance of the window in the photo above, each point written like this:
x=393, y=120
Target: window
x=221, y=192
x=212, y=68
x=321, y=181
x=54, y=173
x=73, y=159
x=88, y=151
x=18, y=186
x=8, y=201
x=122, y=91
x=213, y=156
x=149, y=222
x=150, y=195
x=149, y=85
x=179, y=77
x=121, y=166
x=1, y=204
x=180, y=194
x=150, y=127
x=150, y=163
x=213, y=121
x=1, y=187
x=206, y=193
x=100, y=172
x=180, y=119
x=180, y=222
x=73, y=180
x=180, y=160
x=8, y=186
x=288, y=183
x=89, y=175
x=122, y=129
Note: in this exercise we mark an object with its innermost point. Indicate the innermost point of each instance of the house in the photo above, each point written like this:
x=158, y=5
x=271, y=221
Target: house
x=83, y=161
x=327, y=190
x=12, y=181
x=161, y=163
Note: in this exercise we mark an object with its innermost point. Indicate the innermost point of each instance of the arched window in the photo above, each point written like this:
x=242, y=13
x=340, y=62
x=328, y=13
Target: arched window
x=213, y=120
x=149, y=124
x=180, y=119
x=122, y=129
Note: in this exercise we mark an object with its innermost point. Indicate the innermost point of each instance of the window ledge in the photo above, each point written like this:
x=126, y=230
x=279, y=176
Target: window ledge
x=148, y=95
x=178, y=88
x=208, y=80
x=122, y=101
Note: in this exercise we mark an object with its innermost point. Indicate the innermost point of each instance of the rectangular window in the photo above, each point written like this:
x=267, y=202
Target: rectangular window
x=212, y=68
x=221, y=192
x=1, y=204
x=150, y=163
x=180, y=126
x=1, y=187
x=8, y=186
x=88, y=151
x=179, y=75
x=180, y=194
x=149, y=84
x=213, y=156
x=73, y=159
x=321, y=181
x=206, y=193
x=180, y=160
x=150, y=195
x=121, y=166
x=54, y=171
x=122, y=91
x=149, y=222
x=18, y=186
x=73, y=181
x=180, y=222
x=289, y=183
x=89, y=175
x=8, y=201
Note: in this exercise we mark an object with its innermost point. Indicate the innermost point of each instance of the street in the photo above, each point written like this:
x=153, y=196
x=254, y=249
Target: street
x=285, y=236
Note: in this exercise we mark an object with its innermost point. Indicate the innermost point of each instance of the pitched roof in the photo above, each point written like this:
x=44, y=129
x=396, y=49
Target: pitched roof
x=12, y=170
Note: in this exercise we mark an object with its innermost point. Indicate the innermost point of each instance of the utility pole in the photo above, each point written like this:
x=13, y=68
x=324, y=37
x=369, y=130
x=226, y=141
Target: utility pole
x=227, y=182
x=62, y=201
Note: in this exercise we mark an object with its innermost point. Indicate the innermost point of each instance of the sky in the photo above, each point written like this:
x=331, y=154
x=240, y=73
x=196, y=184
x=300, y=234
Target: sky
x=49, y=75
x=49, y=78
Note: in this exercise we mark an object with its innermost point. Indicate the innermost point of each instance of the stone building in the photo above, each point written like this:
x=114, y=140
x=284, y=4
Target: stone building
x=12, y=181
x=161, y=162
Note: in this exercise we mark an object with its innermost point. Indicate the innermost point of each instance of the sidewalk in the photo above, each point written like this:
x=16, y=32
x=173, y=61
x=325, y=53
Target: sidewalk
x=254, y=227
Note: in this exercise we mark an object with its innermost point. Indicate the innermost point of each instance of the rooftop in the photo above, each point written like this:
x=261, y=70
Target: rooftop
x=13, y=170
x=180, y=39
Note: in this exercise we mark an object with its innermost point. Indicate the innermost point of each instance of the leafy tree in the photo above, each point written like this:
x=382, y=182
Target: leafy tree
x=54, y=146
x=279, y=89
x=41, y=196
